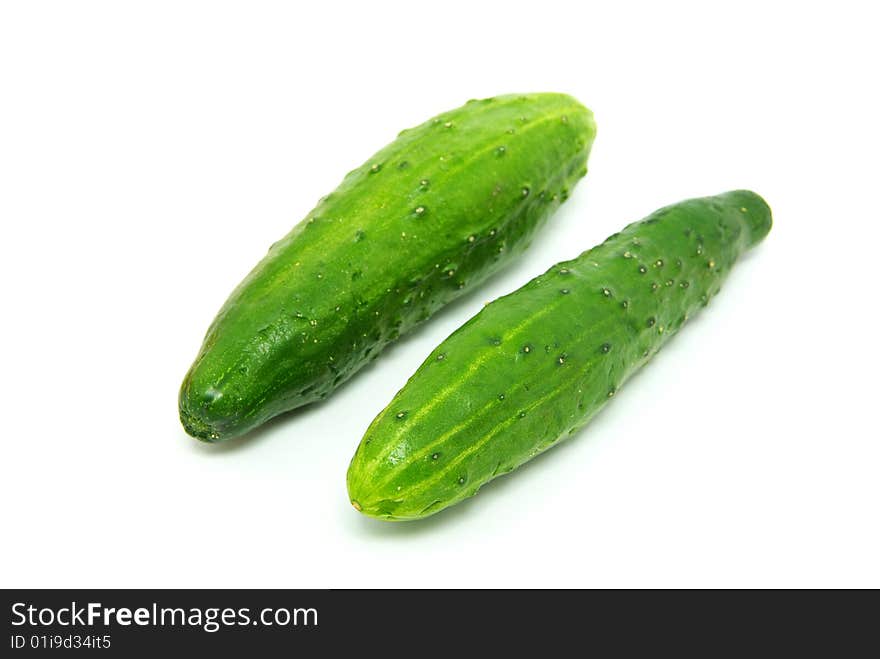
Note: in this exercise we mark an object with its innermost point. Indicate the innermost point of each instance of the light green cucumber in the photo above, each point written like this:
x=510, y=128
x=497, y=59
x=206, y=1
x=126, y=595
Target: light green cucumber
x=426, y=218
x=534, y=366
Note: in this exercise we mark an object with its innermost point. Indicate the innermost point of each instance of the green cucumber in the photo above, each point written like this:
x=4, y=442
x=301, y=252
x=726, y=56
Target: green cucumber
x=534, y=366
x=426, y=218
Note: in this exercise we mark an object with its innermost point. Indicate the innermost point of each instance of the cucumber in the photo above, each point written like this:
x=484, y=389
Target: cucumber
x=534, y=366
x=426, y=218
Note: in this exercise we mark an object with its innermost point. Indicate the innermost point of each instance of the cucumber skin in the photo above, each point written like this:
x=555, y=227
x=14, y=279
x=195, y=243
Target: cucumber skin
x=429, y=216
x=534, y=366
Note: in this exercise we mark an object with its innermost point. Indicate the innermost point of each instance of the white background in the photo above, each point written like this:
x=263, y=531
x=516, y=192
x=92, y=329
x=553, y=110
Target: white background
x=151, y=151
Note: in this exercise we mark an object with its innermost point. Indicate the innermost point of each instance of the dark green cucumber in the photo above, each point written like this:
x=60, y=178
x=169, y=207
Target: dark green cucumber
x=535, y=365
x=427, y=217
